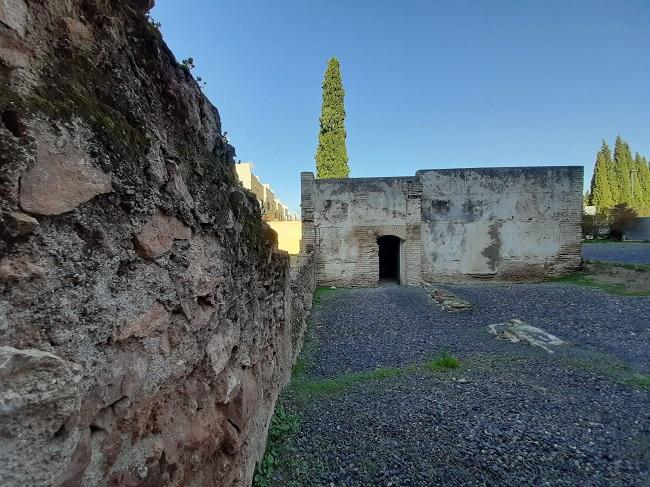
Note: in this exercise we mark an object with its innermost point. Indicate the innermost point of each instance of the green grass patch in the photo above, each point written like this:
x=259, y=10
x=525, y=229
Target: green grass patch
x=284, y=425
x=584, y=279
x=639, y=381
x=443, y=362
x=603, y=264
x=305, y=388
x=608, y=366
x=323, y=293
x=336, y=385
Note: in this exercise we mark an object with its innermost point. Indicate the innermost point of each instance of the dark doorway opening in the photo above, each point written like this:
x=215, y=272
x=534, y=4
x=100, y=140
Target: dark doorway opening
x=388, y=258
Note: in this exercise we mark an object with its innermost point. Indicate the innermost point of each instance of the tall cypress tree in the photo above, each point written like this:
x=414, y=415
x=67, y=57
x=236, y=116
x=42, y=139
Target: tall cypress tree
x=332, y=154
x=601, y=182
x=622, y=166
x=643, y=177
x=636, y=191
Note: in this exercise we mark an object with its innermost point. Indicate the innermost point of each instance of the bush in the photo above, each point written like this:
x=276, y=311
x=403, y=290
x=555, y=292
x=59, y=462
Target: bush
x=621, y=218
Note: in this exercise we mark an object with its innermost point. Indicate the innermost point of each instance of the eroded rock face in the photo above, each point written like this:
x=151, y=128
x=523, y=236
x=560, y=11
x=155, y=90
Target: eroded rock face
x=157, y=236
x=147, y=320
x=60, y=182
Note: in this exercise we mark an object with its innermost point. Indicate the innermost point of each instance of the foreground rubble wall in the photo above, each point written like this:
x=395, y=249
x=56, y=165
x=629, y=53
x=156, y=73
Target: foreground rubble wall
x=146, y=316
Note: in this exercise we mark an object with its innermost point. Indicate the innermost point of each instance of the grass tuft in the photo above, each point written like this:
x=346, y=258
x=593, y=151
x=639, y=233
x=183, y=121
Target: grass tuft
x=640, y=381
x=284, y=425
x=323, y=293
x=339, y=384
x=442, y=362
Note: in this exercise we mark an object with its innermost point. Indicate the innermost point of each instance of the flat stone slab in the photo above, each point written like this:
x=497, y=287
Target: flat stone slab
x=449, y=301
x=516, y=331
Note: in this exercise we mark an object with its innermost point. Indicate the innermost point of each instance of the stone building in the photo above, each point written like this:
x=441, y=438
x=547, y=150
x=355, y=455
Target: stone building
x=444, y=225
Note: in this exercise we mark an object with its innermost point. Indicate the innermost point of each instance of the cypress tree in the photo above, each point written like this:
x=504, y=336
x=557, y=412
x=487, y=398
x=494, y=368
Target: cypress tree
x=601, y=182
x=636, y=191
x=622, y=166
x=643, y=178
x=332, y=155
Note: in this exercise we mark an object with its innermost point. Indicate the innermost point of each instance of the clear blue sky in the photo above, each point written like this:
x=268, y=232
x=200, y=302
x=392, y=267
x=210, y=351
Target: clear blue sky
x=429, y=84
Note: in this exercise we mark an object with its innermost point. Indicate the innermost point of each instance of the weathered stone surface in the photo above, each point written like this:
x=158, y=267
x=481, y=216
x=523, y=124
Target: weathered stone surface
x=167, y=290
x=157, y=236
x=220, y=346
x=13, y=13
x=155, y=319
x=18, y=269
x=78, y=33
x=38, y=394
x=517, y=331
x=17, y=224
x=12, y=55
x=59, y=182
x=448, y=300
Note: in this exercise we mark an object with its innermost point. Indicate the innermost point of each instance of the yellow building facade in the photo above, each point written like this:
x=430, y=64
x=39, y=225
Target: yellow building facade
x=274, y=212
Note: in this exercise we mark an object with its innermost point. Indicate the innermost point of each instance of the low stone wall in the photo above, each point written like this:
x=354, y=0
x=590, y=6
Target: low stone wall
x=147, y=319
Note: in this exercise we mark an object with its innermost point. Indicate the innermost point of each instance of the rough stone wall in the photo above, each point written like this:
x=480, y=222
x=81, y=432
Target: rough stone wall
x=349, y=215
x=303, y=284
x=145, y=314
x=505, y=223
x=509, y=223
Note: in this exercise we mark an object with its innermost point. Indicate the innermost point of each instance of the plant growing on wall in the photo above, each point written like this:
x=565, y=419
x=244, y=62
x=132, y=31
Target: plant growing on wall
x=332, y=154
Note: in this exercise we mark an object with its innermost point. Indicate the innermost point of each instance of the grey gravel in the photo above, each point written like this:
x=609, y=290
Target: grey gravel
x=627, y=252
x=510, y=415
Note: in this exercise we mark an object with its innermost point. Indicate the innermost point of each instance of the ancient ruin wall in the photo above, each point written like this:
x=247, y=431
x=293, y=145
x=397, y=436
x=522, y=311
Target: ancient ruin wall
x=343, y=218
x=509, y=223
x=146, y=319
x=454, y=224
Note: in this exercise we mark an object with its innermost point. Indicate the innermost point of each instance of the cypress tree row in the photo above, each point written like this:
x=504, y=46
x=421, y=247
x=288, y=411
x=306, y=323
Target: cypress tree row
x=332, y=154
x=623, y=179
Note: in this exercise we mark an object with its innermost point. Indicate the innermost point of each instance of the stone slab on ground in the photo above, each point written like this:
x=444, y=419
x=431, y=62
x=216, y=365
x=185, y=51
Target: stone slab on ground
x=448, y=300
x=516, y=331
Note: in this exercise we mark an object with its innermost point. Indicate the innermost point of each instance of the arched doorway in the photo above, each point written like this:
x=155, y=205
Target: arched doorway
x=389, y=259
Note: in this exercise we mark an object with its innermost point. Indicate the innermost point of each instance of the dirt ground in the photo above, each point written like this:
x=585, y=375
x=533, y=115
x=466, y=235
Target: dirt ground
x=631, y=278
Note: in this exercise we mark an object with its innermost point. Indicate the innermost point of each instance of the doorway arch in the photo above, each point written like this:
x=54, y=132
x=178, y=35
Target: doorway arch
x=389, y=259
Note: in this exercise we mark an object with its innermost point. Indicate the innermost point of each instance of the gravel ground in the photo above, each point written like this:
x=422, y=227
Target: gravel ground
x=628, y=253
x=510, y=415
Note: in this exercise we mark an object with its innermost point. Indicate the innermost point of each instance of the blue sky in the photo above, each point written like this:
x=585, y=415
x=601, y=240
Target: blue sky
x=429, y=84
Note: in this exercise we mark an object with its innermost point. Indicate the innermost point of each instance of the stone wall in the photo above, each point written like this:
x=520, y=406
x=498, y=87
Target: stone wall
x=146, y=316
x=510, y=223
x=504, y=223
x=349, y=215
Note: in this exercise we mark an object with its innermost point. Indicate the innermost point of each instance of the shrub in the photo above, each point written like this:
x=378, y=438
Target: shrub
x=621, y=218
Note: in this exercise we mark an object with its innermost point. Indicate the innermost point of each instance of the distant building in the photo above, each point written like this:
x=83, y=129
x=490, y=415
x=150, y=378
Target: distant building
x=272, y=208
x=274, y=212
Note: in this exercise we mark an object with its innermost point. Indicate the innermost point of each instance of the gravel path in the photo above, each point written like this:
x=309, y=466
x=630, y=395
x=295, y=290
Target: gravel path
x=510, y=415
x=628, y=253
